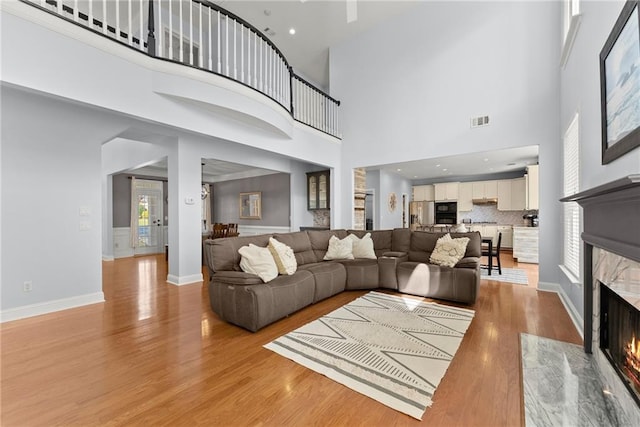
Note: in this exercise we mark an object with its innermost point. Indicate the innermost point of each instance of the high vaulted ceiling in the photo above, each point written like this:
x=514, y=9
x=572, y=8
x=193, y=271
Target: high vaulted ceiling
x=319, y=24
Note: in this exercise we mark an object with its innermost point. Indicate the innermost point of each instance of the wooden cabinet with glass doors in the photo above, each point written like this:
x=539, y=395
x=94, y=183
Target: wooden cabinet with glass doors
x=317, y=190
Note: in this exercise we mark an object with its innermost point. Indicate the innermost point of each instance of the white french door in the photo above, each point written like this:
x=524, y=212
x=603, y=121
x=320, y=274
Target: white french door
x=149, y=198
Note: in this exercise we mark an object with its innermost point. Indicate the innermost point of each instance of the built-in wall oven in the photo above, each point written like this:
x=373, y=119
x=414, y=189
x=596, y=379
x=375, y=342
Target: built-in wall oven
x=446, y=212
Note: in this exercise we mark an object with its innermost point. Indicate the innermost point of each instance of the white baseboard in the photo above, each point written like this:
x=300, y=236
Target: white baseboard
x=108, y=258
x=50, y=306
x=184, y=280
x=577, y=320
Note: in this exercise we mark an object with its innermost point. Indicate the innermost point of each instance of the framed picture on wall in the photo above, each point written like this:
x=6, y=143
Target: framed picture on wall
x=251, y=205
x=620, y=85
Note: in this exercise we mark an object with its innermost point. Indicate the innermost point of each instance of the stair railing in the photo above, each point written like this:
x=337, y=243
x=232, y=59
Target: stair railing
x=202, y=35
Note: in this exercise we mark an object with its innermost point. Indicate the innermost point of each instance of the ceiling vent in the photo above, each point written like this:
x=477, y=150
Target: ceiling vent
x=268, y=31
x=479, y=121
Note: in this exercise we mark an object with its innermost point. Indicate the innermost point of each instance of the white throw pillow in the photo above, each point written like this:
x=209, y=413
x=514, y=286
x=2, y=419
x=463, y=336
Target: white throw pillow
x=363, y=248
x=449, y=251
x=283, y=256
x=339, y=249
x=257, y=260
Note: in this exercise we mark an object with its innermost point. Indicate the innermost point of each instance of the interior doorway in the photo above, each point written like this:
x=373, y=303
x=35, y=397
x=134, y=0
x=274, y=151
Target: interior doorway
x=369, y=209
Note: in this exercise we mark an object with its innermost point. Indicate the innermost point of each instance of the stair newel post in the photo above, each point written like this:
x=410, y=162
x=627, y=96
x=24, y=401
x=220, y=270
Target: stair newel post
x=151, y=38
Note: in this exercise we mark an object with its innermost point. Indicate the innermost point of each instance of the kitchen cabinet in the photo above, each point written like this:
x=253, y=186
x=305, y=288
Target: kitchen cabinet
x=465, y=197
x=423, y=193
x=318, y=190
x=485, y=189
x=446, y=191
x=532, y=187
x=511, y=194
x=507, y=236
x=525, y=244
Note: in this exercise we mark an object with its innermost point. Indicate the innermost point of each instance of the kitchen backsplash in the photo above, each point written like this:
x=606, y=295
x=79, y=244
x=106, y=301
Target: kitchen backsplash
x=490, y=213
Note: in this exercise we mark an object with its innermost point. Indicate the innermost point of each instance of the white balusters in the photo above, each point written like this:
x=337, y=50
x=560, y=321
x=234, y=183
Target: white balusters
x=210, y=41
x=219, y=52
x=234, y=50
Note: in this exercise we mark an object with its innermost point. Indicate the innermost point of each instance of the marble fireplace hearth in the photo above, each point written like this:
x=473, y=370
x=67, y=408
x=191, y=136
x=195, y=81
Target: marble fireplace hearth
x=611, y=236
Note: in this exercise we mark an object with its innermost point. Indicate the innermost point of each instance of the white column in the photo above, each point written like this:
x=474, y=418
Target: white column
x=107, y=217
x=185, y=236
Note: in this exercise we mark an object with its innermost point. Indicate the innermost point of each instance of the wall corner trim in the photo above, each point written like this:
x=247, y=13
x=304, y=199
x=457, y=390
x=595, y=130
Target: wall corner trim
x=578, y=322
x=50, y=306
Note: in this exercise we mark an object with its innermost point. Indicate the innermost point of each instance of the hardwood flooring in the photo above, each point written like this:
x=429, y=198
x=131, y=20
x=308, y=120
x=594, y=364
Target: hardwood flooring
x=155, y=354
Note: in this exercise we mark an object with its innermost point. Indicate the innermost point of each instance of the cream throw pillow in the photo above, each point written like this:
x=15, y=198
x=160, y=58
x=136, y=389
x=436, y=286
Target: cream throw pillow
x=363, y=248
x=339, y=249
x=449, y=251
x=283, y=256
x=257, y=260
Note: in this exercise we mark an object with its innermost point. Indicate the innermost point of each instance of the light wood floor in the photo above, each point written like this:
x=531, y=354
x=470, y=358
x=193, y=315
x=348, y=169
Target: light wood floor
x=155, y=354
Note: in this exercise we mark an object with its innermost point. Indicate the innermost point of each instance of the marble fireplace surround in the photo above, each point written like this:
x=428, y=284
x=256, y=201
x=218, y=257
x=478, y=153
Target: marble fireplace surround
x=611, y=236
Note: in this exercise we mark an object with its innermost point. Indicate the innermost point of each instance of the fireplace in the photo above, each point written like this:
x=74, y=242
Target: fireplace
x=611, y=236
x=620, y=337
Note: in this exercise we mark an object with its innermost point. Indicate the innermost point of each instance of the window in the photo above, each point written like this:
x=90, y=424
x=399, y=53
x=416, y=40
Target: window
x=571, y=160
x=570, y=24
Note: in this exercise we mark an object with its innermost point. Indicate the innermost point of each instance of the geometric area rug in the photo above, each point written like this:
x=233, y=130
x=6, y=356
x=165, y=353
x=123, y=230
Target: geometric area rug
x=509, y=275
x=393, y=349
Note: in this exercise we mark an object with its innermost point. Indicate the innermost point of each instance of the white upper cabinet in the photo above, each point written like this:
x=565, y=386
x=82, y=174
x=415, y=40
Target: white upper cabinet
x=446, y=191
x=423, y=193
x=511, y=194
x=465, y=196
x=485, y=189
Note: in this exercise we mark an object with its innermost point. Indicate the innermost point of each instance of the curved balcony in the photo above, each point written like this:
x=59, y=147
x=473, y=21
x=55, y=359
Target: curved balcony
x=202, y=35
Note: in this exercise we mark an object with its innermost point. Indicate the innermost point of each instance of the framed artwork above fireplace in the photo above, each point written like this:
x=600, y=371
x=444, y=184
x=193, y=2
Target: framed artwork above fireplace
x=620, y=85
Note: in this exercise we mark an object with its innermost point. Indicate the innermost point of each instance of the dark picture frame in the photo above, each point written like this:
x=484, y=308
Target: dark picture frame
x=620, y=85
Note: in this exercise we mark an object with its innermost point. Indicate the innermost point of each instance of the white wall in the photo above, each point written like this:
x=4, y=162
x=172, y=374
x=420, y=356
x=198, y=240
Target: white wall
x=391, y=183
x=409, y=87
x=68, y=97
x=50, y=173
x=580, y=91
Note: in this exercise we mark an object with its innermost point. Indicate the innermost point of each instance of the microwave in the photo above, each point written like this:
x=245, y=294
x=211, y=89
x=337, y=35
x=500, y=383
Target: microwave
x=447, y=207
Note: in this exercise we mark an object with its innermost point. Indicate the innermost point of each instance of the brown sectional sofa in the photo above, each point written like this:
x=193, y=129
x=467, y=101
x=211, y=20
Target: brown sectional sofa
x=402, y=265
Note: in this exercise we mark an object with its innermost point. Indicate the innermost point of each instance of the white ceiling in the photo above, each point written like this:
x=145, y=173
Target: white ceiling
x=213, y=170
x=319, y=24
x=464, y=165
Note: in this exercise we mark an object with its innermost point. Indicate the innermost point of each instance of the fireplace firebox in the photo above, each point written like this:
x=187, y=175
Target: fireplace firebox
x=620, y=337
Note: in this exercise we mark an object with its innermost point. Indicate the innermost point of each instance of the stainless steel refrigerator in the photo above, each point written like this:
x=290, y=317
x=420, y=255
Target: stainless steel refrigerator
x=421, y=214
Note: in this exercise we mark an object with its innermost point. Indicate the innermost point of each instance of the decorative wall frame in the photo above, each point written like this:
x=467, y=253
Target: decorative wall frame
x=251, y=205
x=620, y=85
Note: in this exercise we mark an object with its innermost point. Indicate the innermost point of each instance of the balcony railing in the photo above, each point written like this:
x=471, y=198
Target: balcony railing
x=202, y=35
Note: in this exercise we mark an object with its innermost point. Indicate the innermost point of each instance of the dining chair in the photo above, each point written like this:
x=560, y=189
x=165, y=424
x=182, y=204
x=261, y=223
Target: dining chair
x=232, y=229
x=493, y=253
x=219, y=230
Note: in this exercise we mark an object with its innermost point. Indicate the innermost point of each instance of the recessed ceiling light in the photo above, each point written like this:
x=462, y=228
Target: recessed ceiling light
x=438, y=165
x=444, y=170
x=486, y=160
x=398, y=170
x=292, y=31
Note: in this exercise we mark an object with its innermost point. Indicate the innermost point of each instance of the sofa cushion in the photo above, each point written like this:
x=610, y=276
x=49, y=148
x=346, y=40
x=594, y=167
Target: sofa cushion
x=401, y=239
x=339, y=249
x=301, y=245
x=320, y=240
x=283, y=256
x=258, y=261
x=361, y=273
x=381, y=239
x=222, y=254
x=449, y=251
x=434, y=281
x=330, y=278
x=362, y=247
x=422, y=244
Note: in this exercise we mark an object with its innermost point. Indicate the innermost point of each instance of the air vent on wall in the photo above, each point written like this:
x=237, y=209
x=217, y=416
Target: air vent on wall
x=479, y=121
